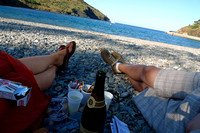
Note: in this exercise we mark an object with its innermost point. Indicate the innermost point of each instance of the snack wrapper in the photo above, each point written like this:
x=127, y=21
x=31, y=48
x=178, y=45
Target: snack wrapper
x=14, y=91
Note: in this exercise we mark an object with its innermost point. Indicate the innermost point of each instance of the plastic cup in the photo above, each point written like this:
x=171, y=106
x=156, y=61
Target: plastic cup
x=74, y=100
x=108, y=98
x=86, y=95
x=72, y=89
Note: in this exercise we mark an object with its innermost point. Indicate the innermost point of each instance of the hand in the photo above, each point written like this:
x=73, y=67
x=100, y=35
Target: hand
x=194, y=124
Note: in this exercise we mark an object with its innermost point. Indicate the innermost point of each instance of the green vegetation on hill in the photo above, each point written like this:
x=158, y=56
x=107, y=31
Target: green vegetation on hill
x=69, y=7
x=192, y=30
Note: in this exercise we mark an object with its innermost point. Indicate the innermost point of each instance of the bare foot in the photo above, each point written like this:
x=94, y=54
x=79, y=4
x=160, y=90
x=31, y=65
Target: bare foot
x=59, y=57
x=64, y=54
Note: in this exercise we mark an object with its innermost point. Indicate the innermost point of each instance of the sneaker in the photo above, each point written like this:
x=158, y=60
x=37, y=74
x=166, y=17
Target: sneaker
x=111, y=59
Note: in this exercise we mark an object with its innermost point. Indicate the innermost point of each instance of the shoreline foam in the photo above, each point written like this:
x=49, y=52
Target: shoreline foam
x=184, y=35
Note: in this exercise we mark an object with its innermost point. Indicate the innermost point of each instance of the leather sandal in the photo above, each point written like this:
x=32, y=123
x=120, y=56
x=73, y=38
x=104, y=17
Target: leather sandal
x=70, y=49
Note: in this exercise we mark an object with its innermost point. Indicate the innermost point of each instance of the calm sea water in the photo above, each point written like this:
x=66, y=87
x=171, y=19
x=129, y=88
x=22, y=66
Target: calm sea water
x=95, y=25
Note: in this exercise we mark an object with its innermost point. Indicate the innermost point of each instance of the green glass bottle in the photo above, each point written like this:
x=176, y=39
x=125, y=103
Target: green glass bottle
x=94, y=114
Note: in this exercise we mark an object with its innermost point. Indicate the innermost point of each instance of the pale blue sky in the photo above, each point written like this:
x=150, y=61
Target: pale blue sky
x=164, y=15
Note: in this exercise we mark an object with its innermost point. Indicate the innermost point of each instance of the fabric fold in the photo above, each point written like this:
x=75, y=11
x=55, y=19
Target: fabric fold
x=14, y=118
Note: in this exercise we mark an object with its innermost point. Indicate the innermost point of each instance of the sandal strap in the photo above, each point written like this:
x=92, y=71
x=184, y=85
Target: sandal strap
x=68, y=55
x=61, y=47
x=73, y=48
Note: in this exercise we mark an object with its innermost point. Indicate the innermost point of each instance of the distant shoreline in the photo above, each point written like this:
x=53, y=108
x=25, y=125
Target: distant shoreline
x=185, y=36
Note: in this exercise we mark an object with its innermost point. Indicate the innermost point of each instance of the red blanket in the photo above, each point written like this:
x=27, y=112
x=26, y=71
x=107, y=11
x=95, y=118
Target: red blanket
x=15, y=119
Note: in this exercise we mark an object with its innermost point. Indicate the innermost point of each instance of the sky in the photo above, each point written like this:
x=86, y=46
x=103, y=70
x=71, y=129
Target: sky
x=164, y=15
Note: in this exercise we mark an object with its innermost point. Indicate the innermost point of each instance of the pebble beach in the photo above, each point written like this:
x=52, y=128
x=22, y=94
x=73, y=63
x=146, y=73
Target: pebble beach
x=22, y=39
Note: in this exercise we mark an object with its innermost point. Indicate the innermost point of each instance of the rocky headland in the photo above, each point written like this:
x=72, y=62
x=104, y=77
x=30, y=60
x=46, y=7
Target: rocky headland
x=69, y=7
x=191, y=30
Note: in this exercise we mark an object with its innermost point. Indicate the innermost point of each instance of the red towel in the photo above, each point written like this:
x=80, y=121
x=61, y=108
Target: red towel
x=14, y=119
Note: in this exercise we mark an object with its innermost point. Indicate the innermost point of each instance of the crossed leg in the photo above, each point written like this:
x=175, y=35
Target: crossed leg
x=140, y=76
x=46, y=78
x=44, y=67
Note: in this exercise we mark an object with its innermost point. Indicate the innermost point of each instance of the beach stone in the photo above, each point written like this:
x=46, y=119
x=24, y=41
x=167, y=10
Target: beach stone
x=115, y=107
x=93, y=75
x=11, y=48
x=120, y=90
x=124, y=94
x=109, y=75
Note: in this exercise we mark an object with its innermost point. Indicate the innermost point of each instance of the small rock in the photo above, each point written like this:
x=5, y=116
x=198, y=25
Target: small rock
x=93, y=75
x=125, y=94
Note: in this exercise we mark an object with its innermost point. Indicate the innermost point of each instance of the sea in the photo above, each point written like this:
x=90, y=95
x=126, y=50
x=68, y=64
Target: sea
x=95, y=25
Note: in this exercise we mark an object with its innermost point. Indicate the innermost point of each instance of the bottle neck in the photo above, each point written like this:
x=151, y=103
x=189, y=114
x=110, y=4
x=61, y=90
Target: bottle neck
x=98, y=91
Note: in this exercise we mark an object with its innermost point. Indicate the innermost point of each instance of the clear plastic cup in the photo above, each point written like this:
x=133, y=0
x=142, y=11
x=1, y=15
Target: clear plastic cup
x=74, y=100
x=108, y=98
x=86, y=95
x=72, y=89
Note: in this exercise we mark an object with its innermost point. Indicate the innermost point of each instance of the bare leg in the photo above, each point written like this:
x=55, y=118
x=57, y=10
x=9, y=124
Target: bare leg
x=139, y=86
x=44, y=67
x=46, y=78
x=38, y=64
x=140, y=73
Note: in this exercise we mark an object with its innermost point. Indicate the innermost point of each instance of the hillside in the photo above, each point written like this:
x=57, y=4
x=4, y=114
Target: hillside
x=69, y=7
x=192, y=30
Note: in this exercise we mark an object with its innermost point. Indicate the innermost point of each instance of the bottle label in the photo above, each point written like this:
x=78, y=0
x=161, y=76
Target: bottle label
x=92, y=103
